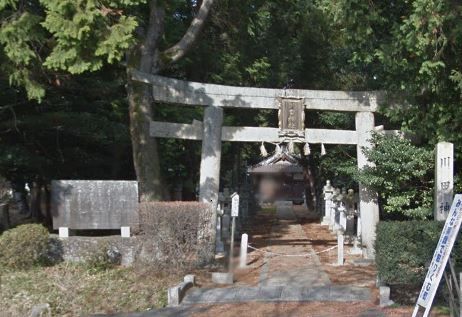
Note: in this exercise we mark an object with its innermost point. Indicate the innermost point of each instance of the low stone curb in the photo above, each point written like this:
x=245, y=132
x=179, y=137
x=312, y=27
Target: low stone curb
x=277, y=294
x=177, y=292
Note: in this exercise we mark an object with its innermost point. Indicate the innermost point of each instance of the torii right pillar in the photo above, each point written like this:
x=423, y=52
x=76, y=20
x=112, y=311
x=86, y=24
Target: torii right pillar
x=368, y=205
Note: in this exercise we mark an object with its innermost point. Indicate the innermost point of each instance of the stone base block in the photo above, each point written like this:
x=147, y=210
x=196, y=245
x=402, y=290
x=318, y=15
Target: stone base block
x=356, y=251
x=177, y=292
x=385, y=296
x=63, y=232
x=125, y=232
x=363, y=262
x=222, y=278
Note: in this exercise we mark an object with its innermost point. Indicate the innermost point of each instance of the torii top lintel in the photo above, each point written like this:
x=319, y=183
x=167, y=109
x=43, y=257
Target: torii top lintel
x=199, y=94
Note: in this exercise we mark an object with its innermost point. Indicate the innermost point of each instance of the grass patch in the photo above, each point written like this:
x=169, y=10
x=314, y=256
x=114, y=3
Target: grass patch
x=74, y=290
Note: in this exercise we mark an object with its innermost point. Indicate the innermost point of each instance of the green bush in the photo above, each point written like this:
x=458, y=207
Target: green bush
x=404, y=250
x=402, y=174
x=24, y=246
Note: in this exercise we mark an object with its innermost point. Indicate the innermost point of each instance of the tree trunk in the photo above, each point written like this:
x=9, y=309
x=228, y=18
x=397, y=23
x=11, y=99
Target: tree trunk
x=148, y=59
x=145, y=153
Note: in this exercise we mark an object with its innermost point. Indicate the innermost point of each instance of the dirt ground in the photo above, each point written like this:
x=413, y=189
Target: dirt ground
x=311, y=309
x=321, y=238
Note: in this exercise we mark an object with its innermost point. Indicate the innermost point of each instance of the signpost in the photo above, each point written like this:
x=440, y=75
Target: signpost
x=444, y=179
x=234, y=214
x=440, y=258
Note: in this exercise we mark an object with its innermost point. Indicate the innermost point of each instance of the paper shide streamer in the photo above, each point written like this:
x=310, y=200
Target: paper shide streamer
x=263, y=151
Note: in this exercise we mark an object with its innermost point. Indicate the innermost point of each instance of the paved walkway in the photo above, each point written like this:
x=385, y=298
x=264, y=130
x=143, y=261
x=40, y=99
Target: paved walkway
x=288, y=237
x=284, y=278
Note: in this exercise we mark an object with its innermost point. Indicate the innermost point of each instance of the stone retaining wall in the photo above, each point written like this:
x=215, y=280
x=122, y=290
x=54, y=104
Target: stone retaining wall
x=81, y=248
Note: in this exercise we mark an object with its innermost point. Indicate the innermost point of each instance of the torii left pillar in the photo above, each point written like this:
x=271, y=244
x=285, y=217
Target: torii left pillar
x=211, y=156
x=210, y=165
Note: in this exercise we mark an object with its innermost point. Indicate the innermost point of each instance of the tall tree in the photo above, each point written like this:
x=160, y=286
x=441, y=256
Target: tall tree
x=412, y=49
x=43, y=38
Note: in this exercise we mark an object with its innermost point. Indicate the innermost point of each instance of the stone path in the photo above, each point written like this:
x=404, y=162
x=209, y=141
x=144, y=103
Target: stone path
x=288, y=237
x=284, y=278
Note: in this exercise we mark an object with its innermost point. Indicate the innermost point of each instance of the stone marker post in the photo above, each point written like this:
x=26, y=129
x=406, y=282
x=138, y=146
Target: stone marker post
x=234, y=215
x=333, y=207
x=338, y=211
x=328, y=193
x=444, y=179
x=219, y=245
x=225, y=222
x=340, y=241
x=343, y=218
x=243, y=251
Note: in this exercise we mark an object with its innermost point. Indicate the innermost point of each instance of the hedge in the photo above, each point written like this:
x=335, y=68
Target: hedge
x=404, y=250
x=181, y=233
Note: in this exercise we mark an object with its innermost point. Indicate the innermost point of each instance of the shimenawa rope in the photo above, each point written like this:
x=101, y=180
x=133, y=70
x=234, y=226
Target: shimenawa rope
x=291, y=255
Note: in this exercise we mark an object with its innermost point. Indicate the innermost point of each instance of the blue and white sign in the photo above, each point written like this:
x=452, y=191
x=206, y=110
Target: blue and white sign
x=440, y=257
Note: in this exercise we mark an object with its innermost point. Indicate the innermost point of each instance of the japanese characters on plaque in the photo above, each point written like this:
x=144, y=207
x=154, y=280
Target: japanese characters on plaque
x=444, y=179
x=291, y=117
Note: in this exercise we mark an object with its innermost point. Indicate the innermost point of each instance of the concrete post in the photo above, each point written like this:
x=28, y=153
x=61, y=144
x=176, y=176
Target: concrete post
x=333, y=209
x=125, y=232
x=337, y=217
x=343, y=218
x=444, y=180
x=243, y=251
x=219, y=245
x=368, y=205
x=340, y=241
x=63, y=232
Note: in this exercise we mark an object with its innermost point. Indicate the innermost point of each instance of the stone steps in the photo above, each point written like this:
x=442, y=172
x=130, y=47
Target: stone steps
x=336, y=293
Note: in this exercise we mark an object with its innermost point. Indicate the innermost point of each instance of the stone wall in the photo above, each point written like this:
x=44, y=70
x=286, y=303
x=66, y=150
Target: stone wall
x=125, y=251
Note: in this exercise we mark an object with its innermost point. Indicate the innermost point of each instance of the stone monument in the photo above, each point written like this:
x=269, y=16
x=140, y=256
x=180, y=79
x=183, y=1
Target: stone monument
x=88, y=204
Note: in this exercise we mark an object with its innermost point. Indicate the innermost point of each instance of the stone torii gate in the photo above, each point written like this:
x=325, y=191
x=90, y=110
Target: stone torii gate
x=216, y=97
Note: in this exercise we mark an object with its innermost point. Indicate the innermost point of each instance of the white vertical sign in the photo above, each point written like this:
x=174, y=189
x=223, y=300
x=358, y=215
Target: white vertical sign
x=440, y=257
x=444, y=179
x=235, y=205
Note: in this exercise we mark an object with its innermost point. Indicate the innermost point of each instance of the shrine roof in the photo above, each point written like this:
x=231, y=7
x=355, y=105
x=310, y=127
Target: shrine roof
x=279, y=162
